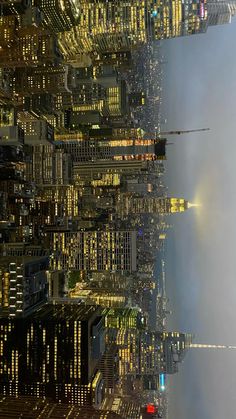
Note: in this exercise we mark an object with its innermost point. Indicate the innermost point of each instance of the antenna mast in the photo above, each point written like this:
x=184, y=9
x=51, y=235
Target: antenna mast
x=205, y=346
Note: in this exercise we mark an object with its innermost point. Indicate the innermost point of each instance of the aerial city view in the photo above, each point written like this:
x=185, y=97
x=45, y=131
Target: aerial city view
x=117, y=209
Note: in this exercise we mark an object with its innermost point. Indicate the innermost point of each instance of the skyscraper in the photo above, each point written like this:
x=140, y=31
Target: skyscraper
x=54, y=353
x=129, y=204
x=108, y=26
x=220, y=12
x=95, y=250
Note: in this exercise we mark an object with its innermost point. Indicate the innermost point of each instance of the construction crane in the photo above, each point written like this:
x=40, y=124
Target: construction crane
x=157, y=134
x=183, y=132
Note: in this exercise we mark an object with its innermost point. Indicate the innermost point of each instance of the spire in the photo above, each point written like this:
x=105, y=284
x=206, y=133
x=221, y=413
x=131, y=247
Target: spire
x=205, y=346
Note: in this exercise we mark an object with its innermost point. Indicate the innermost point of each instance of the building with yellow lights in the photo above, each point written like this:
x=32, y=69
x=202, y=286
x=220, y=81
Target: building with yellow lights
x=129, y=204
x=54, y=353
x=23, y=286
x=94, y=251
x=106, y=27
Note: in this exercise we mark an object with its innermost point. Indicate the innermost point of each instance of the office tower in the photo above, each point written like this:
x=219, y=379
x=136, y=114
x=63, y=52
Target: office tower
x=85, y=173
x=33, y=46
x=36, y=131
x=8, y=31
x=54, y=353
x=14, y=6
x=60, y=15
x=130, y=204
x=115, y=149
x=124, y=318
x=175, y=345
x=220, y=12
x=30, y=407
x=102, y=298
x=94, y=250
x=23, y=285
x=161, y=353
x=37, y=80
x=105, y=26
x=126, y=406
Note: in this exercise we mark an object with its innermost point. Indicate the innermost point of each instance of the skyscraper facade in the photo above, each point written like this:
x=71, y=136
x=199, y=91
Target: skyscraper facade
x=53, y=353
x=109, y=26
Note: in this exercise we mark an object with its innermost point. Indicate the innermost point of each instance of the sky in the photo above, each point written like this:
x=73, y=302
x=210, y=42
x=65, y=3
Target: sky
x=199, y=92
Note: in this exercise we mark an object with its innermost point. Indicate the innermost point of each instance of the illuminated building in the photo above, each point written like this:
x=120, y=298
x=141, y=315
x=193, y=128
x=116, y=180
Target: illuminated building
x=173, y=347
x=50, y=79
x=32, y=408
x=36, y=131
x=41, y=168
x=14, y=6
x=137, y=99
x=116, y=150
x=34, y=46
x=103, y=298
x=126, y=407
x=60, y=15
x=121, y=59
x=8, y=31
x=107, y=27
x=87, y=172
x=7, y=115
x=124, y=318
x=55, y=208
x=54, y=353
x=95, y=250
x=23, y=283
x=116, y=133
x=148, y=205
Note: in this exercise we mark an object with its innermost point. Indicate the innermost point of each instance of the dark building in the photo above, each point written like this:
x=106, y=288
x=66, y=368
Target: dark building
x=54, y=353
x=23, y=286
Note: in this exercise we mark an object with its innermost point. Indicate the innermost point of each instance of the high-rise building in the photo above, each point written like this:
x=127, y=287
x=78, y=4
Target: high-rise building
x=33, y=46
x=106, y=27
x=60, y=15
x=41, y=79
x=87, y=172
x=54, y=353
x=23, y=285
x=30, y=407
x=220, y=12
x=14, y=7
x=95, y=250
x=129, y=204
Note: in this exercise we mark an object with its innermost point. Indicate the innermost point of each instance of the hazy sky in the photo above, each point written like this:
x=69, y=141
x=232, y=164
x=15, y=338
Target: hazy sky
x=200, y=91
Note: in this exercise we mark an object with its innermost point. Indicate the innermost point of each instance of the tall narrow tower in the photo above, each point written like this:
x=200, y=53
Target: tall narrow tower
x=129, y=204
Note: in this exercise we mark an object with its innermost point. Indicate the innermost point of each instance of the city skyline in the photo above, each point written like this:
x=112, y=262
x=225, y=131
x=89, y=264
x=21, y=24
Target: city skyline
x=105, y=277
